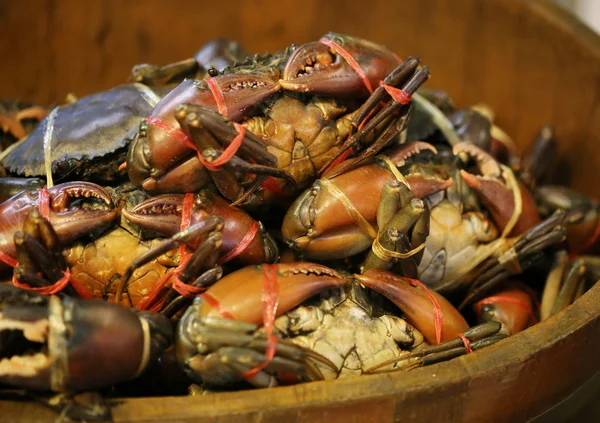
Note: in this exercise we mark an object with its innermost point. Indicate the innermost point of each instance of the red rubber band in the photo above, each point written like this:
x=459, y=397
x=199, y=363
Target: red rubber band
x=228, y=153
x=5, y=258
x=218, y=95
x=272, y=186
x=172, y=132
x=467, y=343
x=44, y=203
x=214, y=303
x=398, y=95
x=56, y=287
x=438, y=315
x=505, y=299
x=186, y=290
x=270, y=301
x=158, y=286
x=243, y=244
x=351, y=61
x=339, y=160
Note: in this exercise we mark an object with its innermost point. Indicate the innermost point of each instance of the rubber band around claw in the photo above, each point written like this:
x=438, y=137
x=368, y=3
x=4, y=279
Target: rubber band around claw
x=186, y=220
x=270, y=301
x=438, y=315
x=466, y=342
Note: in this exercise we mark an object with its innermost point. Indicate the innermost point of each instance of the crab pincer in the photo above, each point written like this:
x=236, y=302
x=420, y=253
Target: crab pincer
x=499, y=190
x=244, y=239
x=428, y=311
x=218, y=342
x=323, y=222
x=73, y=209
x=73, y=345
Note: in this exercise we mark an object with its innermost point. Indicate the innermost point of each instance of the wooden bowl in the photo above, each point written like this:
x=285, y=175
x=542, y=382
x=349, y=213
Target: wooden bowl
x=531, y=61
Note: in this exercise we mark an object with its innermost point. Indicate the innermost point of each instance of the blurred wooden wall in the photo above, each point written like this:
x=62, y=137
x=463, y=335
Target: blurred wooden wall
x=526, y=58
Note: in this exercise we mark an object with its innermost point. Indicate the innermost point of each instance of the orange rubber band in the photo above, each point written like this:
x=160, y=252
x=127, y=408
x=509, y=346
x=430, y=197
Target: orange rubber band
x=270, y=301
x=398, y=95
x=271, y=185
x=56, y=287
x=467, y=343
x=44, y=203
x=218, y=96
x=186, y=290
x=351, y=61
x=5, y=258
x=186, y=220
x=243, y=244
x=438, y=315
x=172, y=132
x=214, y=303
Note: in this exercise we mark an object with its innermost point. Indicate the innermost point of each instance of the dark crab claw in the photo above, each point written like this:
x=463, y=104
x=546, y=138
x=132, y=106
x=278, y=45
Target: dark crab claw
x=159, y=159
x=494, y=187
x=79, y=208
x=163, y=215
x=240, y=292
x=76, y=209
x=68, y=345
x=318, y=68
x=416, y=304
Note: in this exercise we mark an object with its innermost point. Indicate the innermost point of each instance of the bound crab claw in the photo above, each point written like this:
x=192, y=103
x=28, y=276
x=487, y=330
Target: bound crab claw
x=319, y=223
x=216, y=351
x=75, y=209
x=319, y=67
x=512, y=306
x=71, y=345
x=419, y=305
x=496, y=186
x=245, y=240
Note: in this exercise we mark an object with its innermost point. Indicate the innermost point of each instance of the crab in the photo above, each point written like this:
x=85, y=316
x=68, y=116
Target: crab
x=294, y=121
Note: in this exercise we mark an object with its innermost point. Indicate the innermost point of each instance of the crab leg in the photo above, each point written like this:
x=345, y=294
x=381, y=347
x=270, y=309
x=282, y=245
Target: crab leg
x=397, y=77
x=154, y=75
x=202, y=227
x=527, y=251
x=446, y=350
x=409, y=88
x=201, y=261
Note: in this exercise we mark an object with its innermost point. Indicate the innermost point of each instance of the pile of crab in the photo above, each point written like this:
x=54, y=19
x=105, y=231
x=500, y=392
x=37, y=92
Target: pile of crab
x=231, y=221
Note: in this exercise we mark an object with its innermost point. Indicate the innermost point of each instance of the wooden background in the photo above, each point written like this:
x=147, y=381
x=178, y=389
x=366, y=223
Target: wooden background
x=492, y=51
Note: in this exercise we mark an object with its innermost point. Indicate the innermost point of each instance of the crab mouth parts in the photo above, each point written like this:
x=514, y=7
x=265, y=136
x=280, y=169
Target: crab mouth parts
x=23, y=347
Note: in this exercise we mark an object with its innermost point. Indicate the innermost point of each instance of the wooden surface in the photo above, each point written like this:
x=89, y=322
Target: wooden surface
x=530, y=61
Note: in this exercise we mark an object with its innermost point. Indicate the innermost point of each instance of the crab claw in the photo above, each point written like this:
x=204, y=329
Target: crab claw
x=53, y=344
x=495, y=191
x=163, y=214
x=319, y=225
x=416, y=304
x=239, y=293
x=160, y=159
x=318, y=68
x=76, y=209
